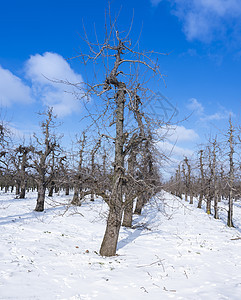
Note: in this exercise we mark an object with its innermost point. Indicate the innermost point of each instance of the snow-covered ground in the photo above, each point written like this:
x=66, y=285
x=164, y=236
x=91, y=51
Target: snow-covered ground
x=174, y=251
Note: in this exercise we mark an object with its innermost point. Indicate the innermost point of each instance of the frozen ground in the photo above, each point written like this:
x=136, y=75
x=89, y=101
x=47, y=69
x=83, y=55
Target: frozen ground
x=174, y=251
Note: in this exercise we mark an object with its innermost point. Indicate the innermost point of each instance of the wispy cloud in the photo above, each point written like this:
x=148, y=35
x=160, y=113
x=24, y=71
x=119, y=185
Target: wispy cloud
x=206, y=19
x=178, y=143
x=155, y=2
x=195, y=106
x=175, y=151
x=13, y=90
x=182, y=134
x=45, y=71
x=179, y=134
x=221, y=114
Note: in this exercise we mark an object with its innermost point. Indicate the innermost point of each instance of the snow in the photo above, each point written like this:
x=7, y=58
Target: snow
x=173, y=251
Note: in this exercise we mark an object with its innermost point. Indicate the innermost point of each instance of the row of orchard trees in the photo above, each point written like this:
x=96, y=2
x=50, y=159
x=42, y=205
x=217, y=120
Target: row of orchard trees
x=122, y=164
x=45, y=166
x=213, y=176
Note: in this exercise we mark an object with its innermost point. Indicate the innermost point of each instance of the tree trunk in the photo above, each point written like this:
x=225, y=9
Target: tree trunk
x=216, y=205
x=40, y=200
x=208, y=207
x=191, y=197
x=76, y=198
x=215, y=182
x=51, y=189
x=231, y=176
x=23, y=190
x=17, y=188
x=200, y=200
x=93, y=153
x=202, y=180
x=210, y=182
x=129, y=196
x=230, y=212
x=188, y=183
x=109, y=243
x=139, y=204
x=67, y=190
x=209, y=198
x=128, y=212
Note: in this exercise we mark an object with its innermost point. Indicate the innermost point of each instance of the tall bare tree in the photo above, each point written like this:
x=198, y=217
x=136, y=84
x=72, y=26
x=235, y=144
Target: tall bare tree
x=202, y=180
x=45, y=145
x=78, y=175
x=188, y=180
x=118, y=89
x=231, y=174
x=24, y=153
x=93, y=167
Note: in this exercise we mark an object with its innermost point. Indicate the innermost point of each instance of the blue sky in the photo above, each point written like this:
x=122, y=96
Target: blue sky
x=203, y=68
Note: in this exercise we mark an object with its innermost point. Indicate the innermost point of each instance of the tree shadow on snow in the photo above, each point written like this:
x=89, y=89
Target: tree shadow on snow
x=20, y=218
x=133, y=235
x=139, y=228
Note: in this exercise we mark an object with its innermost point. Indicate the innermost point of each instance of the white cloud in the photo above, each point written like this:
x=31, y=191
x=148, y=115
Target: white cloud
x=195, y=106
x=172, y=144
x=45, y=71
x=175, y=151
x=182, y=134
x=178, y=134
x=221, y=115
x=205, y=19
x=13, y=90
x=155, y=2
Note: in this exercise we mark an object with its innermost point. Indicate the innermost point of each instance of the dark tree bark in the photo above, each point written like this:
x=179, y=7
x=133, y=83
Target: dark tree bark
x=201, y=195
x=42, y=163
x=24, y=164
x=78, y=177
x=231, y=175
x=109, y=243
x=67, y=190
x=139, y=204
x=209, y=188
x=51, y=189
x=130, y=192
x=93, y=153
x=41, y=198
x=215, y=182
x=185, y=181
x=17, y=192
x=188, y=181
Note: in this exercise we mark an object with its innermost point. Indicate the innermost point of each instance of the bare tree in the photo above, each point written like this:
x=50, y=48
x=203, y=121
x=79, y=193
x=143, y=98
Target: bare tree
x=231, y=174
x=214, y=172
x=201, y=195
x=5, y=141
x=24, y=152
x=42, y=155
x=132, y=189
x=188, y=180
x=78, y=175
x=93, y=167
x=53, y=175
x=178, y=182
x=185, y=179
x=119, y=90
